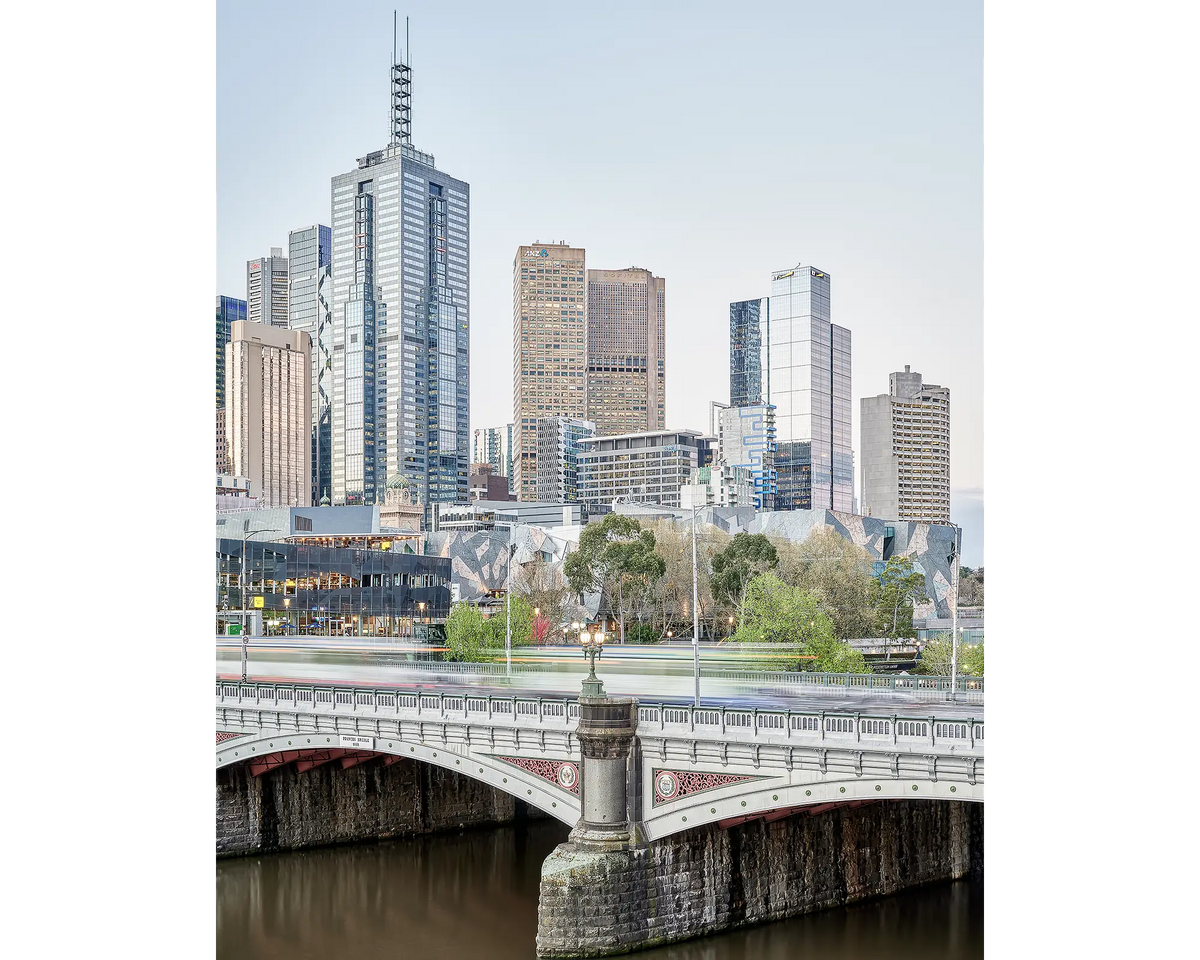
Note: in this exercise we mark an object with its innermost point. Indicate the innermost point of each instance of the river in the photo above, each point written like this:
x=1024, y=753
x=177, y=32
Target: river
x=474, y=895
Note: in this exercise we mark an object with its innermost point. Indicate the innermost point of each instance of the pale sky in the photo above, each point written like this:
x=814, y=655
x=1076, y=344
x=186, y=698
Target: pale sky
x=709, y=143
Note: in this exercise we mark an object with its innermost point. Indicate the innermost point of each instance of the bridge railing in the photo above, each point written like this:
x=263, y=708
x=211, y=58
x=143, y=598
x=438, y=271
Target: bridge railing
x=869, y=729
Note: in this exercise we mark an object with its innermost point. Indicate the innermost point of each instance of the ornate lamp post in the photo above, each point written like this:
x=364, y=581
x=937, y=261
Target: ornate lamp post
x=592, y=644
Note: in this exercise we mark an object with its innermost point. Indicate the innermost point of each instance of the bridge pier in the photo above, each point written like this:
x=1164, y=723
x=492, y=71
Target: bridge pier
x=608, y=891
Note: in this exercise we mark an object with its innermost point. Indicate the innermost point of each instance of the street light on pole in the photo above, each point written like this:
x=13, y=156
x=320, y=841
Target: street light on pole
x=695, y=612
x=955, y=549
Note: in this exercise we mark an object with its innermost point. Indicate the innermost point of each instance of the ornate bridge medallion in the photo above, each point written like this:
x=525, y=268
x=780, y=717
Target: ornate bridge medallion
x=562, y=773
x=673, y=784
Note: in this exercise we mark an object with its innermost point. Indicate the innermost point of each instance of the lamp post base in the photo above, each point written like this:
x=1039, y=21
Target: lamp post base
x=592, y=689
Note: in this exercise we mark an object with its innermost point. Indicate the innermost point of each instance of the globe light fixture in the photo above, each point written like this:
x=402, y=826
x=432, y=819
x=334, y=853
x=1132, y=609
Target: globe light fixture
x=591, y=644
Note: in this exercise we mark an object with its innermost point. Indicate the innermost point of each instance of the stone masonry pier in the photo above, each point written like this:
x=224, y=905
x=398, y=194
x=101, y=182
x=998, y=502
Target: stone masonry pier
x=601, y=902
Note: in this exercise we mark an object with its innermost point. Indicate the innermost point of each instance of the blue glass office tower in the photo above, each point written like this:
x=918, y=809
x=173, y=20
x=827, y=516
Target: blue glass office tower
x=400, y=371
x=229, y=310
x=748, y=352
x=310, y=285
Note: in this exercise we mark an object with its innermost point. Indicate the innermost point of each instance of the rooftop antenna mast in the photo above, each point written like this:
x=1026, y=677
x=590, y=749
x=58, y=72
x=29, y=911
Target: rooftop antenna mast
x=401, y=89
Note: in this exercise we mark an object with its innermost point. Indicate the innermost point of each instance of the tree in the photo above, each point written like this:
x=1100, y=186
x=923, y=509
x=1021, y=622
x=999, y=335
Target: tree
x=467, y=636
x=519, y=612
x=747, y=556
x=970, y=587
x=546, y=589
x=776, y=612
x=936, y=654
x=615, y=552
x=838, y=573
x=895, y=592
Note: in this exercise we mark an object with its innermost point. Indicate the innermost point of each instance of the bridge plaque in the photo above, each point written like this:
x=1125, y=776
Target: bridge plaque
x=358, y=743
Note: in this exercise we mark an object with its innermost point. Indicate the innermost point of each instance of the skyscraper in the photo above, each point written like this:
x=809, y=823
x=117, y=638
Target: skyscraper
x=494, y=445
x=549, y=349
x=267, y=289
x=310, y=288
x=748, y=346
x=269, y=411
x=229, y=311
x=558, y=458
x=626, y=347
x=808, y=382
x=400, y=371
x=746, y=440
x=906, y=451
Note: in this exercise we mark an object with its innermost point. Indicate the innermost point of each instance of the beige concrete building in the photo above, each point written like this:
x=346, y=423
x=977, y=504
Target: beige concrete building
x=549, y=348
x=646, y=467
x=626, y=347
x=906, y=451
x=268, y=391
x=222, y=444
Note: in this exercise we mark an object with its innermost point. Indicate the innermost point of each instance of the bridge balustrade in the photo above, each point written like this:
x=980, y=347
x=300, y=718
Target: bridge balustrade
x=668, y=719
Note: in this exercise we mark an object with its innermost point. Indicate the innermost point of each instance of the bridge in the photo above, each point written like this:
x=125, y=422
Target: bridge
x=686, y=819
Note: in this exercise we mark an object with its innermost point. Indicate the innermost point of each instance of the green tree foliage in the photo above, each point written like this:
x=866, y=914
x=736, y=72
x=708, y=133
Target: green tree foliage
x=467, y=637
x=747, y=555
x=970, y=587
x=777, y=612
x=520, y=610
x=894, y=594
x=838, y=573
x=615, y=553
x=936, y=654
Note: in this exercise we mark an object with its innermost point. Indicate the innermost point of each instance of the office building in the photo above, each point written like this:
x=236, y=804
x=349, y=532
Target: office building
x=486, y=485
x=219, y=441
x=400, y=372
x=626, y=351
x=269, y=411
x=647, y=467
x=229, y=311
x=748, y=344
x=719, y=486
x=745, y=438
x=310, y=292
x=906, y=451
x=494, y=445
x=267, y=289
x=558, y=441
x=549, y=349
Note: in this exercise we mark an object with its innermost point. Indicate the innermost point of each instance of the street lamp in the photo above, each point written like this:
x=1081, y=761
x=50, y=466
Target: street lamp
x=592, y=644
x=729, y=632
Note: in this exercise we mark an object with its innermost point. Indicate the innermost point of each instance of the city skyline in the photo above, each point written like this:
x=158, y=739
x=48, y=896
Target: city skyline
x=879, y=182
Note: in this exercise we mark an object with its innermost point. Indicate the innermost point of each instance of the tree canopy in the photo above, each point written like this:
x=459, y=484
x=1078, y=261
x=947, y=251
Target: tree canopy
x=838, y=573
x=746, y=556
x=618, y=553
x=895, y=592
x=936, y=658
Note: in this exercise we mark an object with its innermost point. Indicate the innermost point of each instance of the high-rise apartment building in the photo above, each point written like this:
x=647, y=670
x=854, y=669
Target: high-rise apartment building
x=906, y=451
x=229, y=311
x=795, y=359
x=746, y=439
x=309, y=294
x=269, y=411
x=626, y=350
x=558, y=440
x=222, y=443
x=494, y=445
x=549, y=349
x=267, y=289
x=748, y=344
x=400, y=372
x=648, y=467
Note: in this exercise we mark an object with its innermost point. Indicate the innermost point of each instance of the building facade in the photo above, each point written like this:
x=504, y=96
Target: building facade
x=906, y=451
x=626, y=351
x=229, y=311
x=494, y=445
x=549, y=348
x=746, y=439
x=748, y=345
x=558, y=440
x=269, y=411
x=222, y=443
x=310, y=288
x=648, y=467
x=267, y=289
x=808, y=362
x=719, y=486
x=400, y=372
x=487, y=485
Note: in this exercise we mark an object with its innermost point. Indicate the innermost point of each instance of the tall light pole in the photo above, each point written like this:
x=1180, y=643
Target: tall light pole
x=954, y=610
x=695, y=611
x=508, y=608
x=247, y=533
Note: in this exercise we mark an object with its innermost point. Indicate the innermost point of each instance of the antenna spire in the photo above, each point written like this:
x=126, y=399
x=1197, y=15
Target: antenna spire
x=401, y=88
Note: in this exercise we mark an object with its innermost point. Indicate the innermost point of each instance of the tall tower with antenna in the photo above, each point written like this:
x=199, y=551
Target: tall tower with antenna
x=401, y=317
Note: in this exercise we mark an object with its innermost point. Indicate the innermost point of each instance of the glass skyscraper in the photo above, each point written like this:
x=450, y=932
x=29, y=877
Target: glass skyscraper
x=809, y=382
x=786, y=352
x=400, y=373
x=310, y=287
x=229, y=311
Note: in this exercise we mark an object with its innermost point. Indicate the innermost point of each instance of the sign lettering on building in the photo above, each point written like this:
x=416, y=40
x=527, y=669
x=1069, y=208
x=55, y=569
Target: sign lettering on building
x=357, y=743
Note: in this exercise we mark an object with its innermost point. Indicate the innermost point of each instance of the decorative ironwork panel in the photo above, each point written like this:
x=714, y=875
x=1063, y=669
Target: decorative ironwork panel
x=562, y=773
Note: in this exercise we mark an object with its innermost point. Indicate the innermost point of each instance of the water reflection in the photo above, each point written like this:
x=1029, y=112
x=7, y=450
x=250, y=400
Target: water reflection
x=475, y=894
